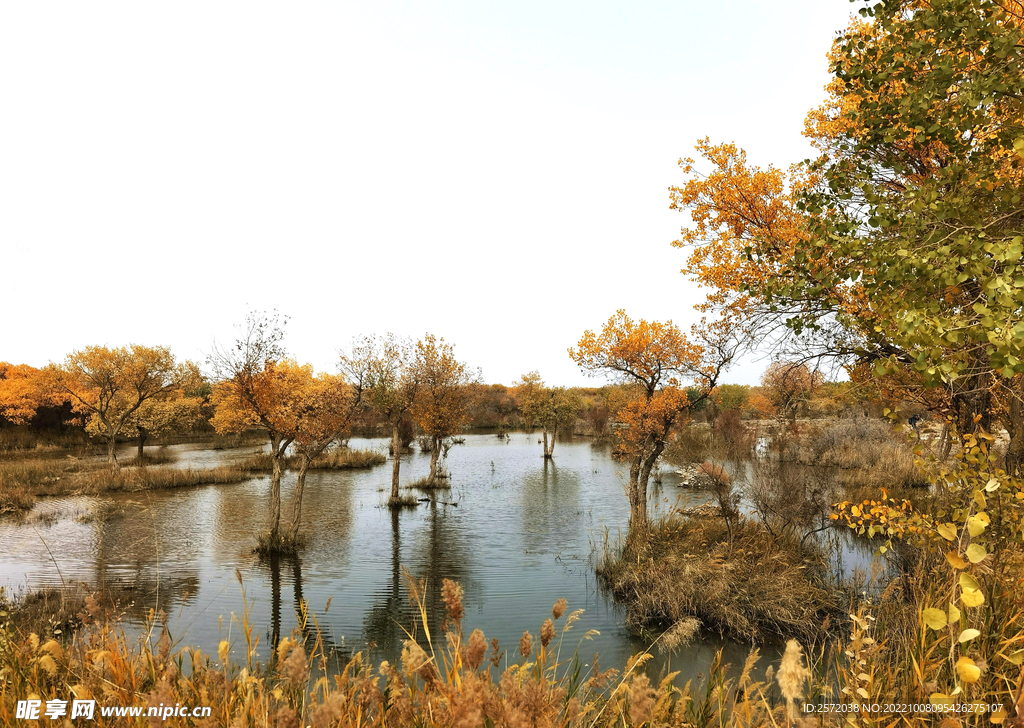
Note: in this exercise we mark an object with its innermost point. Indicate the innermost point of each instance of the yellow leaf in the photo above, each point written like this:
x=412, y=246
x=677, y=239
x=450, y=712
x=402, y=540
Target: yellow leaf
x=967, y=670
x=998, y=717
x=854, y=511
x=940, y=699
x=1016, y=658
x=954, y=614
x=863, y=693
x=947, y=531
x=967, y=635
x=972, y=598
x=955, y=561
x=976, y=553
x=969, y=582
x=978, y=523
x=934, y=618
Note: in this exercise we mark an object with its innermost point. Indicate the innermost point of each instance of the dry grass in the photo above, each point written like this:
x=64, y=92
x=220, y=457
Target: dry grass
x=20, y=439
x=337, y=459
x=445, y=677
x=126, y=480
x=283, y=544
x=865, y=452
x=759, y=589
x=153, y=457
x=442, y=482
x=22, y=482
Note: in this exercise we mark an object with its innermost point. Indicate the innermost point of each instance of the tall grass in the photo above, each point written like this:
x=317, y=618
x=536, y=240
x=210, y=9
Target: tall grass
x=686, y=577
x=445, y=677
x=337, y=459
x=23, y=481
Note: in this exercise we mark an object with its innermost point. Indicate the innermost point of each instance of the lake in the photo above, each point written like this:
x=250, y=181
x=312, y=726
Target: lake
x=517, y=532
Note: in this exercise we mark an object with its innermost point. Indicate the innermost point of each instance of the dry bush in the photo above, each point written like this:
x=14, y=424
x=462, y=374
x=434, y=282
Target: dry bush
x=733, y=439
x=878, y=455
x=760, y=588
x=690, y=445
x=790, y=499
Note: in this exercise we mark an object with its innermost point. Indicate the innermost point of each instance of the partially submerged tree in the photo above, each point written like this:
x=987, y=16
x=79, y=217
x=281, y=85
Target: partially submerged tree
x=655, y=359
x=111, y=385
x=552, y=408
x=440, y=407
x=256, y=388
x=326, y=408
x=391, y=389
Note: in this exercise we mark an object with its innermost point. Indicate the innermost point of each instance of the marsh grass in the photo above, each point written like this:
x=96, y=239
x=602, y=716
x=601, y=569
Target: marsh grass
x=337, y=459
x=153, y=457
x=15, y=439
x=407, y=500
x=444, y=677
x=441, y=482
x=283, y=544
x=759, y=588
x=22, y=482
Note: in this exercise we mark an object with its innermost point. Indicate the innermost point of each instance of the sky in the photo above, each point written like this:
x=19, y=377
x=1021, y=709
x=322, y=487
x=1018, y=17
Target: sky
x=494, y=173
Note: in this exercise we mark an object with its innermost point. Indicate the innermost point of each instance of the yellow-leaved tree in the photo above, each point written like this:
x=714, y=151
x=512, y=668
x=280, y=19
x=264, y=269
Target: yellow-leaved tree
x=392, y=381
x=175, y=410
x=259, y=388
x=654, y=360
x=22, y=392
x=111, y=385
x=440, y=407
x=552, y=408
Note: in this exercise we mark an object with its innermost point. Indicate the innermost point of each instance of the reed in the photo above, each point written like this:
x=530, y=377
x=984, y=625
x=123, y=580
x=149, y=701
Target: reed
x=337, y=459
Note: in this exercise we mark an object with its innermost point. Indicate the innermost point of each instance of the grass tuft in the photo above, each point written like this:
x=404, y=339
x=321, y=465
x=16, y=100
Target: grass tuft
x=685, y=570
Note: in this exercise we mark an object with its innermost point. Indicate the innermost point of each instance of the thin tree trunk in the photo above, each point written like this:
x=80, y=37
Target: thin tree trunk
x=550, y=452
x=434, y=454
x=300, y=483
x=142, y=442
x=111, y=455
x=546, y=443
x=396, y=464
x=275, y=491
x=1015, y=428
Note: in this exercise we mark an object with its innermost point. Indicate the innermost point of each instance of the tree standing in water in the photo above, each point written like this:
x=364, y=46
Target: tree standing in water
x=553, y=408
x=392, y=385
x=653, y=359
x=440, y=408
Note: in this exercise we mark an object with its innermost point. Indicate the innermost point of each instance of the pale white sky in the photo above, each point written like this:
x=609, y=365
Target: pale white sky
x=495, y=173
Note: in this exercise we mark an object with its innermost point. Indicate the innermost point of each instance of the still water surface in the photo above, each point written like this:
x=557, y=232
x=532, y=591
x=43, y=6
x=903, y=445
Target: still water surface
x=516, y=532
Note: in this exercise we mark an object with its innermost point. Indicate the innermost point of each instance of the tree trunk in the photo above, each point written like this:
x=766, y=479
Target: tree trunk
x=275, y=491
x=396, y=463
x=300, y=483
x=548, y=452
x=434, y=455
x=111, y=455
x=143, y=434
x=1015, y=428
x=636, y=533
